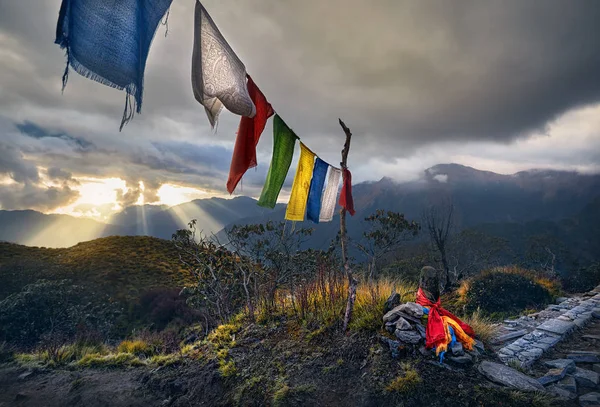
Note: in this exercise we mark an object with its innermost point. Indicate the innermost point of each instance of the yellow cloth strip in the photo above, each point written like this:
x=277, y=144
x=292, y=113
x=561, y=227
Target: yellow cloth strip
x=297, y=205
x=461, y=336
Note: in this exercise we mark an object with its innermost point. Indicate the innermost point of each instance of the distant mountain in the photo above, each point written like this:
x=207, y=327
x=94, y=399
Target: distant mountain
x=33, y=228
x=478, y=196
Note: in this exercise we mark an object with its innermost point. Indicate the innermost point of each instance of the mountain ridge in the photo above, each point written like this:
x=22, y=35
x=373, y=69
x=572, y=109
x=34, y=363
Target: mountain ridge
x=479, y=197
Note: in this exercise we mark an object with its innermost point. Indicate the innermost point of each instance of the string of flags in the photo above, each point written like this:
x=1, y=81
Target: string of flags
x=110, y=44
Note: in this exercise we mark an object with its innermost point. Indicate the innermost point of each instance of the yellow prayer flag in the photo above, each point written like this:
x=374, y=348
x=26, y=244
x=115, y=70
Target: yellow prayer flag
x=297, y=205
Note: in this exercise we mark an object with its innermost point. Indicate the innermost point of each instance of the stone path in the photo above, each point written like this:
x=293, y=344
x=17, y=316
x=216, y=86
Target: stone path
x=524, y=340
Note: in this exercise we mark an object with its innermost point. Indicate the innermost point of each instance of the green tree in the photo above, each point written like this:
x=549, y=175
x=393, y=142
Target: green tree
x=387, y=231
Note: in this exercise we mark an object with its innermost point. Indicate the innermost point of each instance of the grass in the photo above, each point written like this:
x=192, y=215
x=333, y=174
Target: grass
x=118, y=360
x=484, y=327
x=321, y=304
x=406, y=382
x=136, y=347
x=370, y=301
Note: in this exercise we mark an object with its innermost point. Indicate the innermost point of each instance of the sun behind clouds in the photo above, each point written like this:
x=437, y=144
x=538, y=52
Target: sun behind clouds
x=99, y=197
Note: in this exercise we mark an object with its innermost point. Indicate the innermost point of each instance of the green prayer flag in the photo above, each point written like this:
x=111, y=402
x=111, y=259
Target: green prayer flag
x=284, y=141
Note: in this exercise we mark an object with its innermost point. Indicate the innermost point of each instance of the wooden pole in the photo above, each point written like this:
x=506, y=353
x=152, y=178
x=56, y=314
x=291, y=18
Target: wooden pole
x=352, y=283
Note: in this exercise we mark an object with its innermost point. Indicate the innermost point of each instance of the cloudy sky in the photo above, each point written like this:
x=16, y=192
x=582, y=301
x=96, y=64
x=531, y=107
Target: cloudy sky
x=499, y=85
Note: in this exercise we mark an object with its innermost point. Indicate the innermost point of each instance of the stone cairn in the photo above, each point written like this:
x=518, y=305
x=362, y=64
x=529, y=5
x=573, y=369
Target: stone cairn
x=404, y=321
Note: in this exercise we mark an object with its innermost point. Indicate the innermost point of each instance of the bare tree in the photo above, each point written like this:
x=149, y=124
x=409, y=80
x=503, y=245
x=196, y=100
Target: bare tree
x=471, y=251
x=438, y=219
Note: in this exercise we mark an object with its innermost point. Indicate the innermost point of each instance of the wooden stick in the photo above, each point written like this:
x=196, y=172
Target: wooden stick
x=352, y=283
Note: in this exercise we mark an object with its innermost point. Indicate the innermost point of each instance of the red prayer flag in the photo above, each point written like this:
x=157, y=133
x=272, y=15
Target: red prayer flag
x=435, y=334
x=346, y=200
x=244, y=152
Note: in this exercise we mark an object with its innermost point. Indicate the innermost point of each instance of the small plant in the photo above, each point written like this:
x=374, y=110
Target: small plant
x=405, y=383
x=227, y=368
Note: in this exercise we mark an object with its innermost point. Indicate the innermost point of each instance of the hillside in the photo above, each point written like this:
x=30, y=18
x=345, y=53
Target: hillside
x=120, y=266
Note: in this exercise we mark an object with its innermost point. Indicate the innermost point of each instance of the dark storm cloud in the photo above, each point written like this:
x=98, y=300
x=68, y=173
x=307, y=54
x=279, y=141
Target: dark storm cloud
x=31, y=196
x=217, y=157
x=33, y=130
x=13, y=165
x=404, y=75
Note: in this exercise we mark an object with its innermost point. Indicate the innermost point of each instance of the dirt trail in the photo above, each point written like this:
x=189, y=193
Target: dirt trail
x=73, y=388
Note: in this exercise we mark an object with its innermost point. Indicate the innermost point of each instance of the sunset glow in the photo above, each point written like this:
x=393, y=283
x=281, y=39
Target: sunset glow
x=98, y=197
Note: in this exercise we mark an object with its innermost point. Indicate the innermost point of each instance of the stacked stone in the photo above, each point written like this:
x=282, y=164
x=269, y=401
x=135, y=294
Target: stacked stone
x=532, y=345
x=404, y=321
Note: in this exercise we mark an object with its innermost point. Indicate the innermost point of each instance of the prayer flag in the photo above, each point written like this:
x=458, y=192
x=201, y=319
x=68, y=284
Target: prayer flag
x=244, y=152
x=330, y=194
x=297, y=205
x=284, y=141
x=109, y=42
x=316, y=190
x=218, y=75
x=346, y=200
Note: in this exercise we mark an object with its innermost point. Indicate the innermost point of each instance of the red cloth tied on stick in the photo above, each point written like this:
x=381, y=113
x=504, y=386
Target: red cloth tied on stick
x=435, y=333
x=346, y=200
x=244, y=152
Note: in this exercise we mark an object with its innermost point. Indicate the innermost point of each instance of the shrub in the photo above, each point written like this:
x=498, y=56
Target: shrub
x=6, y=352
x=507, y=290
x=160, y=307
x=583, y=279
x=405, y=383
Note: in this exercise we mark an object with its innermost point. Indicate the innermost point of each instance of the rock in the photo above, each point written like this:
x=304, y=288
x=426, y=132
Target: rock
x=421, y=330
x=408, y=336
x=583, y=358
x=463, y=360
x=569, y=384
x=392, y=301
x=566, y=364
x=586, y=378
x=561, y=393
x=410, y=310
x=557, y=326
x=590, y=399
x=596, y=368
x=25, y=375
x=20, y=397
x=479, y=346
x=510, y=377
x=592, y=337
x=426, y=352
x=429, y=282
x=403, y=325
x=561, y=300
x=393, y=345
x=457, y=349
x=509, y=336
x=390, y=327
x=596, y=314
x=553, y=376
